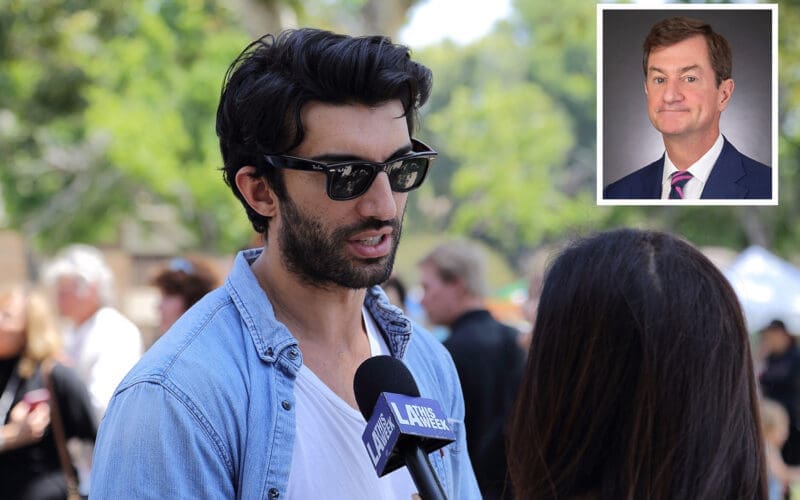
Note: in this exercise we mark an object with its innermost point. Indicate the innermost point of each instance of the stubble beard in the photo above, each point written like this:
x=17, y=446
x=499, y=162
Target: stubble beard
x=318, y=258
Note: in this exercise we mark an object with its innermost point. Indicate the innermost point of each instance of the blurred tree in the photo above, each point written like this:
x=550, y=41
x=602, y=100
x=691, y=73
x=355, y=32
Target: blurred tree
x=106, y=112
x=514, y=117
x=107, y=116
x=777, y=228
x=356, y=17
x=782, y=223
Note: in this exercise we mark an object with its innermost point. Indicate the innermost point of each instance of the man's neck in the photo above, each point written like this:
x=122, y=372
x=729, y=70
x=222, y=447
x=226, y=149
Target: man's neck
x=684, y=151
x=327, y=323
x=468, y=305
x=323, y=314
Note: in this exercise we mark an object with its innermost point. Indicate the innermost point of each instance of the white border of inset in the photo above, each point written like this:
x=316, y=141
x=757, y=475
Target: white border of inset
x=599, y=96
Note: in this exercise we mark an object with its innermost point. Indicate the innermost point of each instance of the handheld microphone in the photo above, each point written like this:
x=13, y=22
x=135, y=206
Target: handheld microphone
x=402, y=427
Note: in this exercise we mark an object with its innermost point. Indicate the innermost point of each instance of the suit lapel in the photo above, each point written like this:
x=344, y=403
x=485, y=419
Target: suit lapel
x=652, y=179
x=727, y=171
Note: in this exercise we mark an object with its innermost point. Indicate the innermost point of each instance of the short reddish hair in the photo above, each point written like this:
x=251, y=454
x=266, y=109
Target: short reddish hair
x=677, y=29
x=188, y=278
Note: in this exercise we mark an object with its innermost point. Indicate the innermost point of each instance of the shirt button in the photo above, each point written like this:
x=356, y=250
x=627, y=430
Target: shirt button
x=274, y=493
x=286, y=406
x=293, y=354
x=270, y=351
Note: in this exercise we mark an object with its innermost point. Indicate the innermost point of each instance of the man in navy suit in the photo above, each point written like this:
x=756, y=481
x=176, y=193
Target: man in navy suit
x=688, y=84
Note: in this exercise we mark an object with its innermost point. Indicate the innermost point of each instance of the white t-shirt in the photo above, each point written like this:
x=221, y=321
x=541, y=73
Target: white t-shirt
x=329, y=459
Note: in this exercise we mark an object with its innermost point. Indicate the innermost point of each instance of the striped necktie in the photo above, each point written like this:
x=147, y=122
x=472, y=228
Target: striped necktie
x=678, y=180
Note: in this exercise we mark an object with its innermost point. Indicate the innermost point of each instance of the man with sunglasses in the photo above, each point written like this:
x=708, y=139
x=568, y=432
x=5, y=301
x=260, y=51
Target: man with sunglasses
x=250, y=394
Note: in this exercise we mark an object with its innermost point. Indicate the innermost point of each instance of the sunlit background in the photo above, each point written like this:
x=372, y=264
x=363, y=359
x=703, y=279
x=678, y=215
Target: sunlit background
x=107, y=137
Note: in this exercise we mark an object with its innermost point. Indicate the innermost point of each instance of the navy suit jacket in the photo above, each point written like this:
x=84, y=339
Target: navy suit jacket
x=734, y=176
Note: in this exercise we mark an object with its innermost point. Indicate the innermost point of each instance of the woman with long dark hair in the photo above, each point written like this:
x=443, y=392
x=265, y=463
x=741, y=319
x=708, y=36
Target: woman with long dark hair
x=639, y=382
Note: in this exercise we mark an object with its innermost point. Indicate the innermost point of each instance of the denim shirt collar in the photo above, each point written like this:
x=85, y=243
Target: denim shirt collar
x=395, y=327
x=271, y=337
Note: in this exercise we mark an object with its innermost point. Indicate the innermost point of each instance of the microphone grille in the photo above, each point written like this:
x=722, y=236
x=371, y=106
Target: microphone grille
x=381, y=374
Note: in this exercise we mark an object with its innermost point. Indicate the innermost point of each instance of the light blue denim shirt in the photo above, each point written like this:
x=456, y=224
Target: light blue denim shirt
x=208, y=412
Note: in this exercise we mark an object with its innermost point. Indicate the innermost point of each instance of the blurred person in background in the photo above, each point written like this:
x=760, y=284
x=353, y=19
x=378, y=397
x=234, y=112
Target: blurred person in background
x=395, y=291
x=29, y=347
x=535, y=269
x=488, y=357
x=182, y=283
x=100, y=342
x=779, y=376
x=639, y=381
x=775, y=428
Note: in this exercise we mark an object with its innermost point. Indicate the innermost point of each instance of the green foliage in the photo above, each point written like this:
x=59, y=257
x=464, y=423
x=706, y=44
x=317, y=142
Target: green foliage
x=510, y=144
x=560, y=38
x=106, y=112
x=513, y=115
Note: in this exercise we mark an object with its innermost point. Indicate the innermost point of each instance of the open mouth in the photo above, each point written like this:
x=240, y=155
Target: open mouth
x=373, y=244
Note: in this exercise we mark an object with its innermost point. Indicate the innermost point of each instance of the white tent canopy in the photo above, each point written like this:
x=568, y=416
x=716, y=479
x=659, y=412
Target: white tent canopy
x=768, y=288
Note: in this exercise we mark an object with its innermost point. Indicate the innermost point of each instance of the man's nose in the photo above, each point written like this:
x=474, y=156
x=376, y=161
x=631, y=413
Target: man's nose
x=672, y=91
x=378, y=202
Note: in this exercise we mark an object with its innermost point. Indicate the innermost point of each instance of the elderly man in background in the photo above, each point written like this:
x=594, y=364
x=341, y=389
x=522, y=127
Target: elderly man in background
x=101, y=343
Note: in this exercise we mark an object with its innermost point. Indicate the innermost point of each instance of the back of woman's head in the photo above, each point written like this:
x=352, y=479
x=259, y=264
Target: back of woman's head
x=639, y=381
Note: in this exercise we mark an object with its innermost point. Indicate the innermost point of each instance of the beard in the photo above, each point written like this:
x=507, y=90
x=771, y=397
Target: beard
x=318, y=257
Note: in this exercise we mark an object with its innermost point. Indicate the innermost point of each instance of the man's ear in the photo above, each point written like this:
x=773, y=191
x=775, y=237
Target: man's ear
x=256, y=191
x=724, y=92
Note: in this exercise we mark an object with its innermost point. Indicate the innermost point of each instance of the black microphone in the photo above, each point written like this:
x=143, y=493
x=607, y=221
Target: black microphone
x=402, y=427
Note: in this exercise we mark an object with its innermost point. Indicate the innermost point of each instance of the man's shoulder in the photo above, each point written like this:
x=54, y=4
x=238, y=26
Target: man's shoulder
x=639, y=184
x=755, y=168
x=480, y=326
x=759, y=178
x=199, y=345
x=424, y=341
x=736, y=175
x=427, y=353
x=751, y=166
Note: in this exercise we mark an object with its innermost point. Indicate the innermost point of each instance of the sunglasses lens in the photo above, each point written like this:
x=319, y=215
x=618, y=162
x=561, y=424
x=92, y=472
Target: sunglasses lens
x=407, y=174
x=350, y=181
x=353, y=180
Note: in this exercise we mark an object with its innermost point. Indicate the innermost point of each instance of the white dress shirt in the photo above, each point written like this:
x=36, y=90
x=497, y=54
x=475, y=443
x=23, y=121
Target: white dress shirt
x=700, y=171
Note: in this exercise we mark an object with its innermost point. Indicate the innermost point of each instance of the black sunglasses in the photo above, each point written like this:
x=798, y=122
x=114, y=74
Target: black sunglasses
x=350, y=179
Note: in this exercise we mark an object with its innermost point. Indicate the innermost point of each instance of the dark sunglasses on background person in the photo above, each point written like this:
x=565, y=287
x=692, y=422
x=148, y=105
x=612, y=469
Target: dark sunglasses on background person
x=350, y=179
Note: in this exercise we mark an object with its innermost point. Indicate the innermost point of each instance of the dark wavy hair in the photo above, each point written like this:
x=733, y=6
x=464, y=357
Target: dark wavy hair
x=639, y=382
x=274, y=77
x=677, y=29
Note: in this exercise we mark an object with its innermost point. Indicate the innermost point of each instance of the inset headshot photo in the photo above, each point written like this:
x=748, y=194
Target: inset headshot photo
x=687, y=105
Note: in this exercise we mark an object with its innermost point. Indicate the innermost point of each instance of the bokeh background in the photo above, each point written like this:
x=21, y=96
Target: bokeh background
x=107, y=136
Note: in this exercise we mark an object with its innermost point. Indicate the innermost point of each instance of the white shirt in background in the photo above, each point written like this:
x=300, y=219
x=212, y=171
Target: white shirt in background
x=103, y=349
